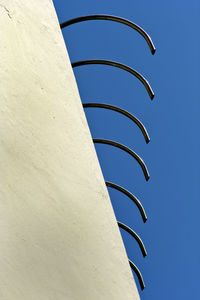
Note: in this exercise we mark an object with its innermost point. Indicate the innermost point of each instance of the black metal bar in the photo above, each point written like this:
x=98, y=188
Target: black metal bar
x=120, y=66
x=130, y=196
x=138, y=273
x=123, y=112
x=135, y=236
x=115, y=19
x=129, y=151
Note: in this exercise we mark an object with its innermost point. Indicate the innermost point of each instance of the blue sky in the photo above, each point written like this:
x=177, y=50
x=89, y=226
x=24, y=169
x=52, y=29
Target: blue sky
x=171, y=196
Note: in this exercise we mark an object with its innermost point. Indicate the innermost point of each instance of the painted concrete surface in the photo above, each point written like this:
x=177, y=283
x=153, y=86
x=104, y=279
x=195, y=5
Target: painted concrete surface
x=58, y=234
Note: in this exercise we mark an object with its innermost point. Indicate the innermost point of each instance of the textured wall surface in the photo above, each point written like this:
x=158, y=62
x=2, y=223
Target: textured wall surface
x=58, y=234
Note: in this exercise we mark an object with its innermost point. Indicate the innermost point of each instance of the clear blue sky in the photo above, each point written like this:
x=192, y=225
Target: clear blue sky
x=171, y=197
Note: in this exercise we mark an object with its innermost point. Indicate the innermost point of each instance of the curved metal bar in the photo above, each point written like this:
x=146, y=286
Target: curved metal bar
x=123, y=112
x=138, y=273
x=135, y=236
x=115, y=19
x=118, y=65
x=131, y=196
x=126, y=149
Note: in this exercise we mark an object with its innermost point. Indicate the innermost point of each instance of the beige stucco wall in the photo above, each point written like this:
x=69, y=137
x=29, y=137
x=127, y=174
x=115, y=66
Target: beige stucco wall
x=58, y=234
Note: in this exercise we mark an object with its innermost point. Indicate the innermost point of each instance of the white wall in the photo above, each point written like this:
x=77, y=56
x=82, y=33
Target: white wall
x=58, y=234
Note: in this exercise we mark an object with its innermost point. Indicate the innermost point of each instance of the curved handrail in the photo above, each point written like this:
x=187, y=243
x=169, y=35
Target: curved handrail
x=123, y=112
x=135, y=236
x=131, y=196
x=120, y=66
x=129, y=151
x=115, y=19
x=138, y=273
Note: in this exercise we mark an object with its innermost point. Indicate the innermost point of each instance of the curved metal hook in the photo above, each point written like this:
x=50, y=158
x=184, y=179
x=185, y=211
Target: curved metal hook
x=118, y=65
x=131, y=196
x=115, y=19
x=138, y=273
x=126, y=149
x=135, y=236
x=123, y=112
